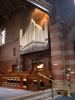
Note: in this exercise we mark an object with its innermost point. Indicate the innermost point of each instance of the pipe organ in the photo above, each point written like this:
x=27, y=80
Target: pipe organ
x=35, y=38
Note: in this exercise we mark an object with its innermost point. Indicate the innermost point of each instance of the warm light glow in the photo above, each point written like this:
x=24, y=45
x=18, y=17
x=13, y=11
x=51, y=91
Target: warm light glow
x=72, y=72
x=40, y=66
x=55, y=64
x=37, y=12
x=46, y=17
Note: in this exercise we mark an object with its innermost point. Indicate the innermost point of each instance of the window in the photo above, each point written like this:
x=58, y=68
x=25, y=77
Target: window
x=3, y=36
x=14, y=51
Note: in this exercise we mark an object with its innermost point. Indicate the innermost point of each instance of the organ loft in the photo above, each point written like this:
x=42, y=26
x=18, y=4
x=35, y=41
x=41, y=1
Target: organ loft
x=37, y=43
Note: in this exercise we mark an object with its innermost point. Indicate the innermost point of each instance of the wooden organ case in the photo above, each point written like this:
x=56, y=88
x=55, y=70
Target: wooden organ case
x=42, y=66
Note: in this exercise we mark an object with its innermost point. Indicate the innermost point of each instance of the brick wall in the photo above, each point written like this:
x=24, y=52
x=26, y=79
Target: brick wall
x=7, y=51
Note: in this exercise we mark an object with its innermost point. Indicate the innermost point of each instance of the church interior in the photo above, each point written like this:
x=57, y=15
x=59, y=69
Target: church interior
x=37, y=44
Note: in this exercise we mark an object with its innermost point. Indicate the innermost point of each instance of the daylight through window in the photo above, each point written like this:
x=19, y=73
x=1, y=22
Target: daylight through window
x=3, y=35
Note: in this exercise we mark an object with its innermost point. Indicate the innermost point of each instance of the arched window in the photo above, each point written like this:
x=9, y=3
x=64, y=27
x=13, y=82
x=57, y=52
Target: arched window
x=3, y=33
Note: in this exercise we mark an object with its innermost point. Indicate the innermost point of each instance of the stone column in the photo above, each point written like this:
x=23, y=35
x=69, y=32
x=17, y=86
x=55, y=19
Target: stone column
x=57, y=49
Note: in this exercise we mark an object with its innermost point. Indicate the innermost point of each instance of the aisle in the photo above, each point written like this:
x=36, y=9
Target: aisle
x=8, y=93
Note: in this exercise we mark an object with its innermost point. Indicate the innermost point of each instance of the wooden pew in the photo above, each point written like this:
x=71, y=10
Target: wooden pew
x=25, y=80
x=14, y=80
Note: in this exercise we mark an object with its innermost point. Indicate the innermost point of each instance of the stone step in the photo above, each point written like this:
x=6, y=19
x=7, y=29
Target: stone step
x=44, y=95
x=56, y=97
x=53, y=98
x=39, y=97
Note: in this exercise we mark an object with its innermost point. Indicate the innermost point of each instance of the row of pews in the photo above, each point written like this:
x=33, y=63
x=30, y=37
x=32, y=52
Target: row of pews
x=14, y=80
x=23, y=80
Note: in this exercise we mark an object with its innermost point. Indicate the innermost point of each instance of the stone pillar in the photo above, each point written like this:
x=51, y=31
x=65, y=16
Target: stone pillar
x=57, y=49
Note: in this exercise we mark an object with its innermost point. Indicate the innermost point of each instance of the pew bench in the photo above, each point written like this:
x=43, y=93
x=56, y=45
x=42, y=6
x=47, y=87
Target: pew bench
x=13, y=81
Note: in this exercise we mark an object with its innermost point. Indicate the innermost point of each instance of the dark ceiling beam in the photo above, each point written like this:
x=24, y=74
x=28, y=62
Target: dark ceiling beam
x=7, y=15
x=14, y=6
x=4, y=7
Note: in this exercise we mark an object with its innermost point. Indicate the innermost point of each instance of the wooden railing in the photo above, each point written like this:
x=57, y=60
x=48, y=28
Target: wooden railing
x=46, y=77
x=36, y=81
